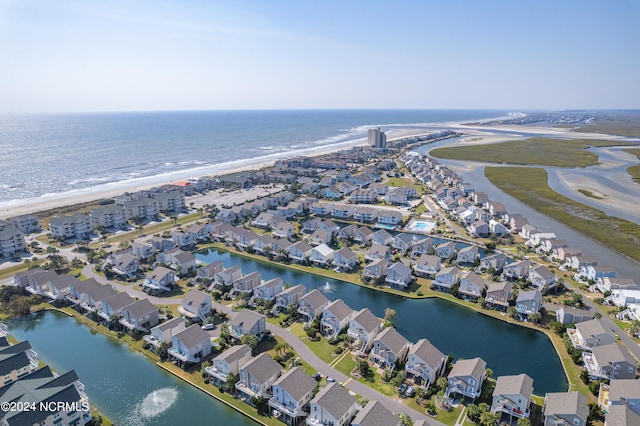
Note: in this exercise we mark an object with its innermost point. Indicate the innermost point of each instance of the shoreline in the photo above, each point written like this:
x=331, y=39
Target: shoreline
x=49, y=201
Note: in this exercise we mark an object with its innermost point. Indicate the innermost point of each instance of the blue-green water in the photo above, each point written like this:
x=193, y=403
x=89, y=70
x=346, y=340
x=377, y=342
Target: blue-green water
x=463, y=333
x=116, y=378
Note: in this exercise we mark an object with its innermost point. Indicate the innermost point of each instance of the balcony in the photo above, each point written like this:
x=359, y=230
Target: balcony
x=576, y=339
x=591, y=364
x=509, y=407
x=289, y=410
x=603, y=397
x=183, y=357
x=215, y=373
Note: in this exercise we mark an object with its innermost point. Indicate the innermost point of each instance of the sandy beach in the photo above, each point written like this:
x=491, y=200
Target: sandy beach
x=474, y=135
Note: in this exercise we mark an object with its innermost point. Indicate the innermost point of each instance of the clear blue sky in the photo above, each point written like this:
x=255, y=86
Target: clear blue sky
x=86, y=55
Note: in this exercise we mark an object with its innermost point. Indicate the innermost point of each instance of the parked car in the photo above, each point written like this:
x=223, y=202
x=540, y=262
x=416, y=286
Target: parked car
x=410, y=391
x=330, y=379
x=402, y=388
x=208, y=327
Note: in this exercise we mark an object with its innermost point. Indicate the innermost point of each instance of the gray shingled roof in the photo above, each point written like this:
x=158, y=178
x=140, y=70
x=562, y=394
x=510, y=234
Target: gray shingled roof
x=424, y=349
x=169, y=324
x=520, y=384
x=612, y=353
x=14, y=357
x=501, y=286
x=101, y=293
x=392, y=339
x=591, y=328
x=367, y=320
x=561, y=403
x=468, y=367
x=296, y=382
x=621, y=415
x=195, y=298
x=246, y=319
x=375, y=414
x=335, y=400
x=234, y=353
x=624, y=388
x=140, y=308
x=193, y=335
x=118, y=301
x=340, y=309
x=262, y=367
x=83, y=286
x=315, y=299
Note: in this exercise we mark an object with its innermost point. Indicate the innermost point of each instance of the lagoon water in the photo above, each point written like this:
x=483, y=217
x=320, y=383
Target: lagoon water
x=120, y=382
x=463, y=333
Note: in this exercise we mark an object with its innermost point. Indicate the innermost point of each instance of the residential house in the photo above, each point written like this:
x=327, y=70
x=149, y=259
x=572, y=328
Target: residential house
x=403, y=241
x=421, y=245
x=290, y=297
x=382, y=237
x=329, y=226
x=620, y=393
x=342, y=211
x=143, y=209
x=378, y=251
x=228, y=362
x=389, y=348
x=209, y=272
x=499, y=294
x=164, y=332
x=160, y=278
x=363, y=235
x=183, y=239
x=347, y=232
x=190, y=345
x=257, y=376
x=467, y=255
x=610, y=362
x=247, y=322
x=471, y=285
x=291, y=394
x=284, y=230
x=268, y=290
x=335, y=317
x=446, y=250
x=376, y=269
x=512, y=396
x=565, y=408
x=90, y=299
x=395, y=197
x=16, y=361
x=605, y=284
x=62, y=397
x=590, y=334
x=141, y=250
x=322, y=255
x=494, y=262
x=312, y=304
x=365, y=214
x=333, y=405
x=300, y=251
x=427, y=265
x=517, y=270
x=58, y=289
x=466, y=378
x=196, y=305
x=375, y=414
x=345, y=259
x=568, y=315
x=247, y=283
x=228, y=276
x=497, y=228
x=140, y=315
x=529, y=302
x=621, y=415
x=425, y=363
x=364, y=326
x=542, y=278
x=112, y=216
x=124, y=264
x=161, y=244
x=389, y=217
x=398, y=275
x=111, y=307
x=479, y=228
x=446, y=278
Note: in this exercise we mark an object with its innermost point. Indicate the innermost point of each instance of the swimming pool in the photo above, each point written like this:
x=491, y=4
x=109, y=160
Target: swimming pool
x=420, y=225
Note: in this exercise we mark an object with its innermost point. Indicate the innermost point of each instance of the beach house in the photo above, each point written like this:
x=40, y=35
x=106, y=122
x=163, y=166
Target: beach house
x=333, y=405
x=228, y=362
x=190, y=346
x=389, y=348
x=512, y=396
x=257, y=376
x=311, y=305
x=466, y=378
x=364, y=326
x=425, y=363
x=291, y=395
x=335, y=317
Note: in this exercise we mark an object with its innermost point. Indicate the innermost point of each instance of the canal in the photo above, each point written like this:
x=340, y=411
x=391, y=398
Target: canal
x=119, y=381
x=455, y=330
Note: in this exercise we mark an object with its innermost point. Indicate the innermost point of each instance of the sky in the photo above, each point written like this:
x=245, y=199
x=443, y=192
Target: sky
x=147, y=55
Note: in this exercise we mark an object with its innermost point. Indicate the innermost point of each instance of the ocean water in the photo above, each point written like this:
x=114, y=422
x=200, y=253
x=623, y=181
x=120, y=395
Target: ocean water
x=53, y=154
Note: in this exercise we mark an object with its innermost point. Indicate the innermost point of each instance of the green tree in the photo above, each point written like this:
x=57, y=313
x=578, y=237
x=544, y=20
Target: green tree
x=390, y=316
x=524, y=422
x=405, y=420
x=230, y=382
x=249, y=339
x=163, y=351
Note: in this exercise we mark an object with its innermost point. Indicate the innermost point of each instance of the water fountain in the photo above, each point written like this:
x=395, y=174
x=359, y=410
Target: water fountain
x=327, y=287
x=158, y=401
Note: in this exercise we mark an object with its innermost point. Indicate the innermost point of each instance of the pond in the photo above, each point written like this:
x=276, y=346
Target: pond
x=123, y=384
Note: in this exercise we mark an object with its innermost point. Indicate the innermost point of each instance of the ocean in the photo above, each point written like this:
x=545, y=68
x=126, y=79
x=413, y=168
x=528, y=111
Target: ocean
x=46, y=156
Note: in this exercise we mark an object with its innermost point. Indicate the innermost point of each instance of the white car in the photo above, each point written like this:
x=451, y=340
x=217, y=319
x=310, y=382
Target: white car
x=208, y=327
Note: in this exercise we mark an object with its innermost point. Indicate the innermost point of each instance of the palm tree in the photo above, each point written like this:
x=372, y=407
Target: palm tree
x=405, y=420
x=230, y=382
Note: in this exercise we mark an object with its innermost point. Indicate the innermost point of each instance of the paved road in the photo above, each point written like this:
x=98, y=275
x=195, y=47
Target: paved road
x=301, y=349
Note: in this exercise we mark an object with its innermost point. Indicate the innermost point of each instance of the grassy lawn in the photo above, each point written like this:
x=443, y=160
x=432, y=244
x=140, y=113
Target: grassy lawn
x=529, y=185
x=12, y=270
x=399, y=182
x=535, y=151
x=319, y=347
x=634, y=171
